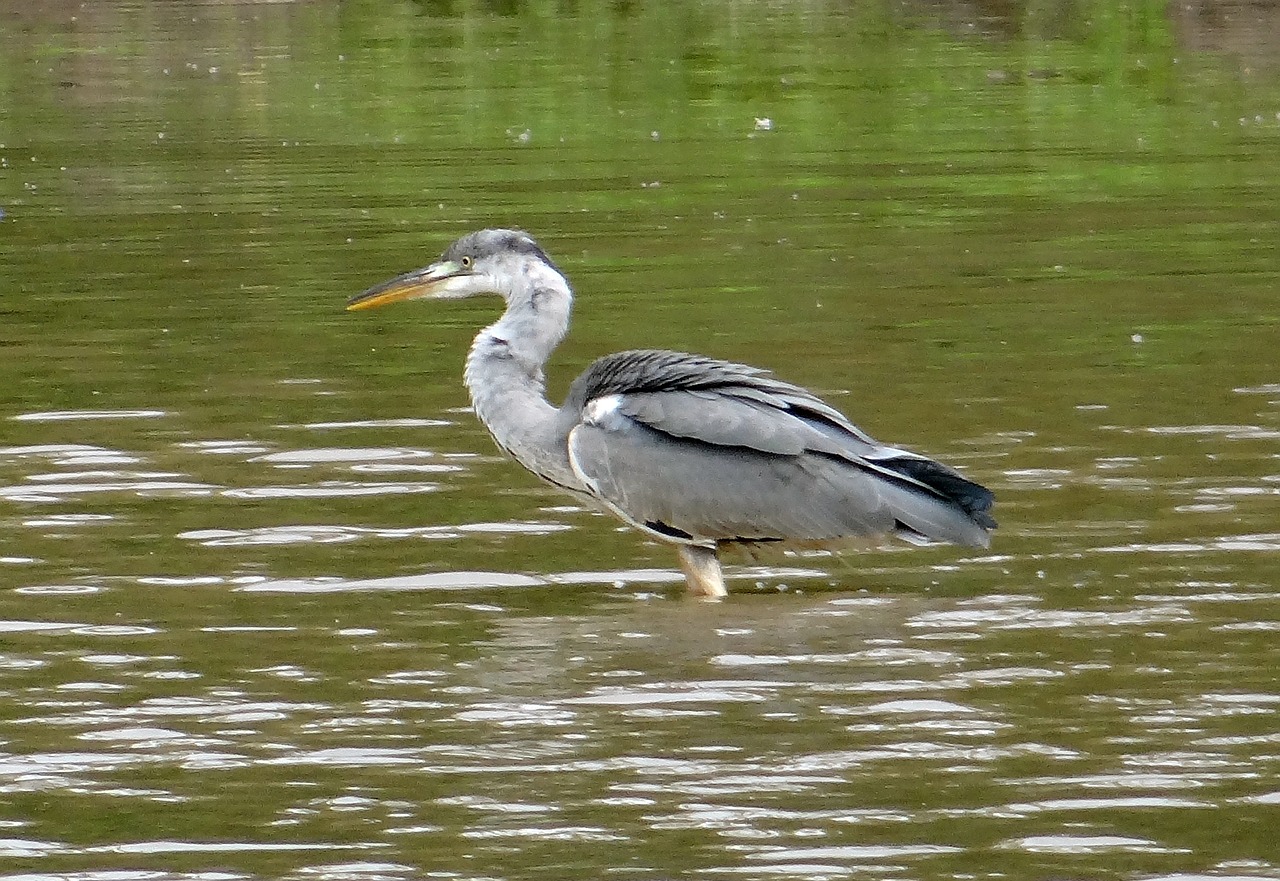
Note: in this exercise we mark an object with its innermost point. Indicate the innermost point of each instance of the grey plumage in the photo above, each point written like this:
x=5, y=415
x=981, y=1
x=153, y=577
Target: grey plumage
x=713, y=451
x=695, y=451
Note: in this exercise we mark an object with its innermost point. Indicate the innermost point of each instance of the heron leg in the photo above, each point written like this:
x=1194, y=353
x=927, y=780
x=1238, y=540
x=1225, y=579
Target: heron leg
x=701, y=567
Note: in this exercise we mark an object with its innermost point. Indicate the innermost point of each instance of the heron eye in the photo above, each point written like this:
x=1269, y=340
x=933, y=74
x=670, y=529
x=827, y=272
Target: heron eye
x=466, y=262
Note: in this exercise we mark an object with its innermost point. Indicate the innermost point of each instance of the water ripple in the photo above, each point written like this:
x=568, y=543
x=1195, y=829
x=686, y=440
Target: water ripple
x=1122, y=803
x=1087, y=844
x=887, y=657
x=288, y=535
x=426, y=581
x=477, y=580
x=1254, y=542
x=1050, y=619
x=53, y=492
x=224, y=447
x=852, y=852
x=342, y=455
x=380, y=423
x=1230, y=432
x=78, y=415
x=329, y=489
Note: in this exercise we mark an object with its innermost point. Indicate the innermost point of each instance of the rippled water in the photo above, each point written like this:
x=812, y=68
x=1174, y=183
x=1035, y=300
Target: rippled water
x=271, y=606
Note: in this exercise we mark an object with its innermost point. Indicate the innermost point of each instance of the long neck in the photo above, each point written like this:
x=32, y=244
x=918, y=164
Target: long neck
x=504, y=376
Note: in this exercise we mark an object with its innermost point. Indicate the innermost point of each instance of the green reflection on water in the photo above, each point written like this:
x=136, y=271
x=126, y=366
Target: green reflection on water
x=970, y=229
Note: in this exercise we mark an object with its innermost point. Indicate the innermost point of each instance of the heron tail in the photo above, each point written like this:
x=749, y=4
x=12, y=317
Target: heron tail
x=936, y=504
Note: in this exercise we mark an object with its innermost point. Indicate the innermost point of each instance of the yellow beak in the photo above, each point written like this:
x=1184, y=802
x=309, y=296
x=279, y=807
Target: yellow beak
x=434, y=281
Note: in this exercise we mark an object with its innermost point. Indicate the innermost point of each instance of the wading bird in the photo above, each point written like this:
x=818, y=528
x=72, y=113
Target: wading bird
x=690, y=450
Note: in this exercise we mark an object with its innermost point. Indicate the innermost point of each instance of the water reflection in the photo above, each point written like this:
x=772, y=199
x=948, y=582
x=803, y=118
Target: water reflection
x=835, y=733
x=921, y=694
x=270, y=607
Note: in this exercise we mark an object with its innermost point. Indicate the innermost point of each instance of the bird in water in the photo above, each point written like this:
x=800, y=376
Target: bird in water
x=693, y=451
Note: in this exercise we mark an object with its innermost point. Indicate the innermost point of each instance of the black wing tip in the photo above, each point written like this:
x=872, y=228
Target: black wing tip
x=972, y=498
x=667, y=530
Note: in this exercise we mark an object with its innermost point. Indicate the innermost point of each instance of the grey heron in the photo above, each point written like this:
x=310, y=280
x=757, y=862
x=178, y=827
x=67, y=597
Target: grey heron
x=690, y=450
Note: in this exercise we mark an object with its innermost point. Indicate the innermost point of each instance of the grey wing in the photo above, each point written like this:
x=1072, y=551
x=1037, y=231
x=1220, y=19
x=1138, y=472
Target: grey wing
x=744, y=463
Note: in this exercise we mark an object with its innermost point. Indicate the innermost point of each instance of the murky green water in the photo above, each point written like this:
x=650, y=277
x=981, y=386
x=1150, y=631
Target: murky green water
x=270, y=606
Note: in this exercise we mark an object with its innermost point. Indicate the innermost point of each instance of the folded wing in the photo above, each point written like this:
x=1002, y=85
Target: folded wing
x=699, y=450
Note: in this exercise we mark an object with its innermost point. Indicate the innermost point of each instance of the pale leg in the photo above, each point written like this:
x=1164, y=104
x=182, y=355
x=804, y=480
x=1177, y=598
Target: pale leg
x=701, y=569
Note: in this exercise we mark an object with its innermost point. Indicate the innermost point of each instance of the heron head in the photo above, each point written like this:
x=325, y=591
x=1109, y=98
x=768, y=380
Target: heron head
x=505, y=262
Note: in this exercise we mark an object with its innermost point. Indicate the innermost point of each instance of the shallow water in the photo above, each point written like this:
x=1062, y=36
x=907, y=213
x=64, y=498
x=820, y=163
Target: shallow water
x=271, y=606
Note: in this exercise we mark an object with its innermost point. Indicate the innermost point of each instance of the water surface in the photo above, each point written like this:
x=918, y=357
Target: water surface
x=271, y=606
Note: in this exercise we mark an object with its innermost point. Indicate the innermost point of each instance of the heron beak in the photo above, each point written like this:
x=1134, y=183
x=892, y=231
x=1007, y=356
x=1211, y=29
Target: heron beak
x=441, y=280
